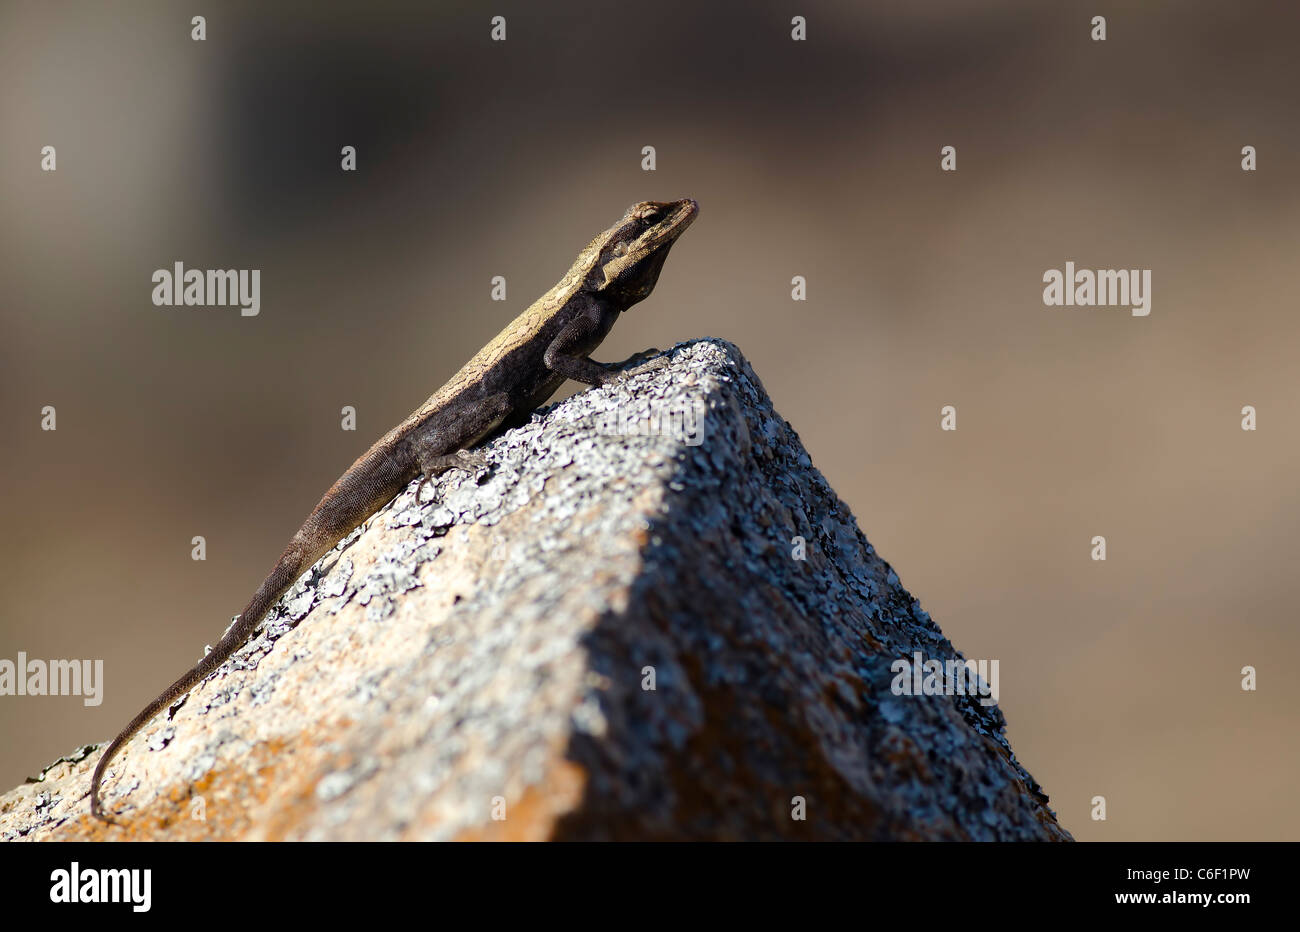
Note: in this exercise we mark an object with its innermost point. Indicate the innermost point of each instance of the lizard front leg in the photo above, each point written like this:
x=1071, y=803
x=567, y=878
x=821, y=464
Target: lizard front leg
x=441, y=445
x=564, y=354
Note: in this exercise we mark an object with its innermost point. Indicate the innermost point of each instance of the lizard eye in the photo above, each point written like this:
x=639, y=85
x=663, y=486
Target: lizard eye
x=620, y=249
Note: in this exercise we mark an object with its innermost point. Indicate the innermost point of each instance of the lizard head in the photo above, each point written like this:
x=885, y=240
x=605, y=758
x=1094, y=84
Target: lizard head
x=628, y=256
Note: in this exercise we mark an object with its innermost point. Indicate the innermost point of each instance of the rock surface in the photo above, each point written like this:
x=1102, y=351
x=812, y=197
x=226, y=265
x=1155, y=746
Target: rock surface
x=605, y=634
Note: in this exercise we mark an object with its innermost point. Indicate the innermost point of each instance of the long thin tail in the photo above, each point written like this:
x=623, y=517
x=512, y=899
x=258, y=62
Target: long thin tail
x=287, y=570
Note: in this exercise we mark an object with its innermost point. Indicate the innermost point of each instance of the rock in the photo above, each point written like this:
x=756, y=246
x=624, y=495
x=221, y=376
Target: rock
x=601, y=635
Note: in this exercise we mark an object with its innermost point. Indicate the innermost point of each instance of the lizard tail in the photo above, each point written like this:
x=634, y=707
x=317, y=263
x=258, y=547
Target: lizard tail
x=287, y=570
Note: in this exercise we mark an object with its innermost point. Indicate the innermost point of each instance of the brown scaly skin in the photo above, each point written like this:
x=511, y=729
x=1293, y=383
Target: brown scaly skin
x=519, y=370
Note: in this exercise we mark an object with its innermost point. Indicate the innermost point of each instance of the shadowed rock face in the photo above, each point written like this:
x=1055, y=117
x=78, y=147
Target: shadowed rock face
x=605, y=635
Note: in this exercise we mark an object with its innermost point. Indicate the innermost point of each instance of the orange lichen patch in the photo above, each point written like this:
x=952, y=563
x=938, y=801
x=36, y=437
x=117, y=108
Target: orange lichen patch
x=215, y=808
x=534, y=816
x=904, y=758
x=291, y=801
x=722, y=790
x=829, y=799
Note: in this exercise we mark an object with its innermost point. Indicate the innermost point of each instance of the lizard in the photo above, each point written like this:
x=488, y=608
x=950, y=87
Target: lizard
x=498, y=389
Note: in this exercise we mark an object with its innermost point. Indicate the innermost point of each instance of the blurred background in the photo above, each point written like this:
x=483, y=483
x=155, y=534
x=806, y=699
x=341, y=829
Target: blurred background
x=817, y=158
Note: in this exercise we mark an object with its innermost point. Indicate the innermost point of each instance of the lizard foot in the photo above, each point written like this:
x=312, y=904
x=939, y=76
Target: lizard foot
x=636, y=359
x=466, y=460
x=644, y=361
x=651, y=365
